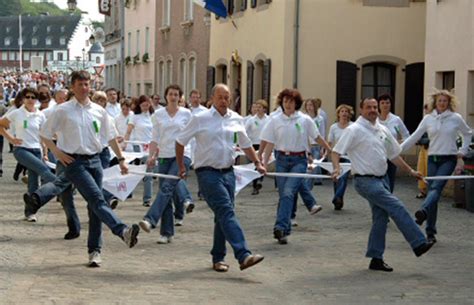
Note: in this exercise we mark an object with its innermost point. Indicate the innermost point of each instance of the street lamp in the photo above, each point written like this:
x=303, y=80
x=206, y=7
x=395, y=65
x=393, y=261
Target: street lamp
x=72, y=5
x=83, y=59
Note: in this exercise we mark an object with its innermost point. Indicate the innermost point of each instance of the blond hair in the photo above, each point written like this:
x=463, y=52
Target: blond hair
x=262, y=103
x=434, y=96
x=342, y=106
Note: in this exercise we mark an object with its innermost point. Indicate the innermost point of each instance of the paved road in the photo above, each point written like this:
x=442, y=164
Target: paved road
x=324, y=262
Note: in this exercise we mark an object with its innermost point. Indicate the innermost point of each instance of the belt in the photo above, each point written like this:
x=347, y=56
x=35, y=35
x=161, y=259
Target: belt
x=369, y=176
x=442, y=158
x=208, y=168
x=292, y=153
x=80, y=156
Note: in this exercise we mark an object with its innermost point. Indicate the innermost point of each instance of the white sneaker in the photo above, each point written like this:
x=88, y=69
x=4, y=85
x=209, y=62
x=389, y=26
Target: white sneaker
x=294, y=223
x=188, y=206
x=31, y=218
x=145, y=225
x=130, y=235
x=315, y=209
x=164, y=239
x=94, y=259
x=178, y=222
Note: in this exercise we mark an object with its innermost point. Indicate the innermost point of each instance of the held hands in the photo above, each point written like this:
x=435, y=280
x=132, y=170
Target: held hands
x=16, y=141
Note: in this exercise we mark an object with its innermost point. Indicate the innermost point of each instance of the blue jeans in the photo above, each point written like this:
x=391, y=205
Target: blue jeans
x=341, y=184
x=1, y=153
x=32, y=160
x=104, y=157
x=86, y=174
x=218, y=189
x=288, y=189
x=437, y=166
x=147, y=180
x=181, y=195
x=391, y=175
x=162, y=207
x=316, y=153
x=384, y=205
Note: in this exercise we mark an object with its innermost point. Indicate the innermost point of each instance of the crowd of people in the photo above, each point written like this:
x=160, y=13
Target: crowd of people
x=83, y=132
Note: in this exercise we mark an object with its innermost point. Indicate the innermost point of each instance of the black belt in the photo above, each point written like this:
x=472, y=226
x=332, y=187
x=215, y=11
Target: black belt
x=80, y=156
x=369, y=176
x=442, y=158
x=292, y=153
x=208, y=168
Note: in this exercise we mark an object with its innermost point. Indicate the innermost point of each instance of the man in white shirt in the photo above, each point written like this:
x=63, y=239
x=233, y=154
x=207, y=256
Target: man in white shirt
x=195, y=101
x=369, y=167
x=217, y=131
x=113, y=106
x=78, y=147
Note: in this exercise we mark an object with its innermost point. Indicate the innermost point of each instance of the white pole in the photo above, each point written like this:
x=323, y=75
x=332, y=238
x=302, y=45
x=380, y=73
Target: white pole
x=20, y=42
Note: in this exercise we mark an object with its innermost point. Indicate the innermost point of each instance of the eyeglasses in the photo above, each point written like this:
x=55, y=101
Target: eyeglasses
x=31, y=97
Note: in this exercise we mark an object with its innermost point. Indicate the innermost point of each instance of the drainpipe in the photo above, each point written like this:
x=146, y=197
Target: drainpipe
x=296, y=48
x=122, y=46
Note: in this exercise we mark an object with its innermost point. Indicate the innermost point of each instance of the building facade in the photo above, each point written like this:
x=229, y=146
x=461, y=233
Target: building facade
x=112, y=47
x=182, y=45
x=139, y=47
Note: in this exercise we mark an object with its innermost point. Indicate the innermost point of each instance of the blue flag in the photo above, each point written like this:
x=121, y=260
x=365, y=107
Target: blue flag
x=215, y=6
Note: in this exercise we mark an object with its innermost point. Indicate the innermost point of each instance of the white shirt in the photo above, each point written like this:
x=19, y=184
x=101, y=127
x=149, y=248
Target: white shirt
x=113, y=133
x=216, y=137
x=443, y=130
x=368, y=147
x=290, y=133
x=166, y=129
x=254, y=127
x=113, y=109
x=143, y=127
x=48, y=111
x=27, y=126
x=395, y=124
x=335, y=132
x=121, y=123
x=79, y=128
x=198, y=109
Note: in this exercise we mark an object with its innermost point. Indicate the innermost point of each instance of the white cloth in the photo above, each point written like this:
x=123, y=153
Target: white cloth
x=113, y=109
x=335, y=132
x=79, y=128
x=113, y=133
x=48, y=111
x=254, y=127
x=368, y=147
x=290, y=133
x=395, y=124
x=199, y=109
x=143, y=127
x=216, y=137
x=166, y=129
x=443, y=130
x=121, y=123
x=27, y=126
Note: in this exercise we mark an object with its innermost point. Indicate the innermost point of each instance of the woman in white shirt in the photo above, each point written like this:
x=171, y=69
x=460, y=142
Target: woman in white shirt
x=344, y=114
x=254, y=126
x=122, y=120
x=141, y=126
x=311, y=108
x=167, y=124
x=289, y=133
x=28, y=148
x=397, y=128
x=443, y=126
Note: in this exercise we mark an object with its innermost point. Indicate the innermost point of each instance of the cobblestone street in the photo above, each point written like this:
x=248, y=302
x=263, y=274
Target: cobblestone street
x=323, y=263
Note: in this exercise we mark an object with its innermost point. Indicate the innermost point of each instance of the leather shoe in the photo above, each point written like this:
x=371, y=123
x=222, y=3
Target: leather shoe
x=71, y=235
x=31, y=204
x=280, y=236
x=251, y=260
x=379, y=265
x=431, y=237
x=420, y=250
x=420, y=216
x=338, y=203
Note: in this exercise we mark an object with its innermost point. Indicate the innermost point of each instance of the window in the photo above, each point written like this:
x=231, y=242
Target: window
x=166, y=18
x=60, y=56
x=147, y=39
x=129, y=89
x=20, y=42
x=35, y=28
x=182, y=74
x=188, y=10
x=161, y=76
x=129, y=44
x=11, y=55
x=49, y=56
x=139, y=89
x=26, y=55
x=48, y=41
x=34, y=41
x=4, y=55
x=377, y=79
x=240, y=5
x=63, y=28
x=448, y=80
x=191, y=74
x=169, y=72
x=97, y=60
x=48, y=28
x=392, y=3
x=7, y=41
x=8, y=29
x=138, y=42
x=62, y=41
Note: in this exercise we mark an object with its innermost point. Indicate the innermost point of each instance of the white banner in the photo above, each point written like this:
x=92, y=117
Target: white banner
x=244, y=174
x=121, y=186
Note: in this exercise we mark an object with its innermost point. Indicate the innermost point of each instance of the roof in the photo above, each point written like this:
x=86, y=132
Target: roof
x=41, y=28
x=96, y=48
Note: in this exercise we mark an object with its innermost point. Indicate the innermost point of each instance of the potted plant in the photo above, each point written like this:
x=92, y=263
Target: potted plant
x=136, y=59
x=145, y=58
x=128, y=59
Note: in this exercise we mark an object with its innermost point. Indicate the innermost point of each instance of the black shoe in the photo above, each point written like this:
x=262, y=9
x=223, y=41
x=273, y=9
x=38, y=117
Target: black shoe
x=114, y=203
x=1, y=172
x=16, y=174
x=280, y=236
x=31, y=204
x=338, y=203
x=432, y=238
x=255, y=191
x=379, y=265
x=71, y=235
x=419, y=251
x=420, y=216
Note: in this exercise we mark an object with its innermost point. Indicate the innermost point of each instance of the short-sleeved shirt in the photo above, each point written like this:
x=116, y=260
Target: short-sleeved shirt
x=143, y=127
x=27, y=126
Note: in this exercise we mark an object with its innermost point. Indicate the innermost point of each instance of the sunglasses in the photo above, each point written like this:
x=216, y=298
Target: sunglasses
x=31, y=97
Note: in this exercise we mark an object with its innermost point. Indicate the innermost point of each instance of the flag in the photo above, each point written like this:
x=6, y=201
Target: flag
x=244, y=174
x=121, y=185
x=215, y=6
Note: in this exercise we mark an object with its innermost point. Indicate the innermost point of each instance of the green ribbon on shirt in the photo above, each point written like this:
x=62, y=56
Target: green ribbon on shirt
x=236, y=138
x=256, y=123
x=317, y=124
x=96, y=126
x=298, y=127
x=25, y=124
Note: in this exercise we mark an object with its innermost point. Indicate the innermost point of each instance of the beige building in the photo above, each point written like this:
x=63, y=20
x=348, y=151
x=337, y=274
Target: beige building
x=140, y=47
x=449, y=52
x=182, y=45
x=112, y=47
x=338, y=50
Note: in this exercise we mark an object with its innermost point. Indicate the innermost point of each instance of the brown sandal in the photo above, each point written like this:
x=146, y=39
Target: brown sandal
x=221, y=267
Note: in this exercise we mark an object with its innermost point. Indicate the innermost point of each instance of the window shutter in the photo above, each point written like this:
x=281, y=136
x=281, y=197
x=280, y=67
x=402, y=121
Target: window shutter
x=250, y=69
x=211, y=80
x=414, y=87
x=267, y=72
x=230, y=7
x=346, y=83
x=253, y=3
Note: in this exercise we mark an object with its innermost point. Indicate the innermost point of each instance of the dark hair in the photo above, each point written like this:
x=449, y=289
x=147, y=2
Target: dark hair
x=29, y=90
x=291, y=94
x=80, y=75
x=43, y=98
x=126, y=102
x=142, y=99
x=173, y=87
x=385, y=97
x=110, y=89
x=195, y=91
x=361, y=104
